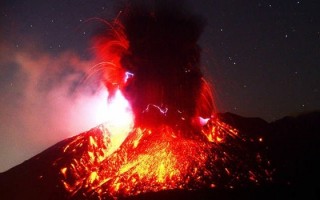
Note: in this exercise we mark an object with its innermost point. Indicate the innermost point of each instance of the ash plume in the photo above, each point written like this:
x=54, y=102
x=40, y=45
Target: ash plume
x=163, y=54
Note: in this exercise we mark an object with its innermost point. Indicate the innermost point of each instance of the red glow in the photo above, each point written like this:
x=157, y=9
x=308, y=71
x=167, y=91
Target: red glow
x=110, y=49
x=152, y=160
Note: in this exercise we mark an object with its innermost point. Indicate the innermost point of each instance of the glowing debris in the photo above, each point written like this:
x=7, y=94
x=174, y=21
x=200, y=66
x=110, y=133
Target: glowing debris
x=159, y=159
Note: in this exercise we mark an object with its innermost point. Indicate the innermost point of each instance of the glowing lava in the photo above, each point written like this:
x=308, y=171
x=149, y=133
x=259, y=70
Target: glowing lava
x=160, y=159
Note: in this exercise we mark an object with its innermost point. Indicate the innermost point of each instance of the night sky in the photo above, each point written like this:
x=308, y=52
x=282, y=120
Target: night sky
x=261, y=56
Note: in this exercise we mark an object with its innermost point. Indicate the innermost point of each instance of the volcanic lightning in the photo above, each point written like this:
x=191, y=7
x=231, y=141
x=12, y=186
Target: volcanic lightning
x=161, y=132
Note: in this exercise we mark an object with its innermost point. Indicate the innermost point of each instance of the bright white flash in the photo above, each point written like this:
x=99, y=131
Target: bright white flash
x=115, y=114
x=119, y=116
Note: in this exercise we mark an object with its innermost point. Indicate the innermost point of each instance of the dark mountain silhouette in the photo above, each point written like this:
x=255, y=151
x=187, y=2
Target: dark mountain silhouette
x=291, y=144
x=294, y=147
x=250, y=126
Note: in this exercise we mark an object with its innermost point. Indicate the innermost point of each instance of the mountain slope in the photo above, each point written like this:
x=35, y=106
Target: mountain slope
x=290, y=143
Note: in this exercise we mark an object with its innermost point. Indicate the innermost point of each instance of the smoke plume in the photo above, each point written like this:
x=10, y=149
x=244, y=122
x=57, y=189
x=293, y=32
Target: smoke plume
x=45, y=98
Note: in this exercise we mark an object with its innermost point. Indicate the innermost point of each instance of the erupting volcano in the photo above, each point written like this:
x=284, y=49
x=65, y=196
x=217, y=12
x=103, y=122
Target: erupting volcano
x=150, y=56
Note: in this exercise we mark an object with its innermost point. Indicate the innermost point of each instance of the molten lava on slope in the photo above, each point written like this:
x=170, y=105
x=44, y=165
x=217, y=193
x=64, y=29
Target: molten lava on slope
x=150, y=160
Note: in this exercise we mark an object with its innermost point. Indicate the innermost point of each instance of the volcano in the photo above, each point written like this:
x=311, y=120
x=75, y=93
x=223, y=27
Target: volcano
x=157, y=166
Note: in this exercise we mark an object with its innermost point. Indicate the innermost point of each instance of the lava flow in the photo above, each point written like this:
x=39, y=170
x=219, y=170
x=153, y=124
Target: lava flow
x=151, y=160
x=176, y=141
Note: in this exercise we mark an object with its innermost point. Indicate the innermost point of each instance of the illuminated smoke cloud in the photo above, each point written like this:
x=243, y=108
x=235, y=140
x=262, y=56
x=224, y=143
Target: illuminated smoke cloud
x=49, y=98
